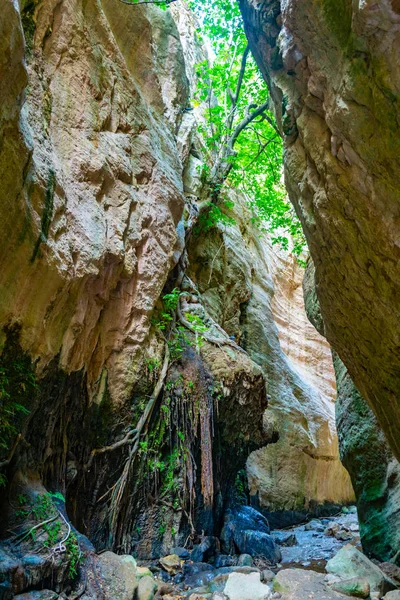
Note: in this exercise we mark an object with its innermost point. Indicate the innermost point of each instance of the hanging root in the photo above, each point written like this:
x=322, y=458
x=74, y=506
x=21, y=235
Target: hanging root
x=119, y=488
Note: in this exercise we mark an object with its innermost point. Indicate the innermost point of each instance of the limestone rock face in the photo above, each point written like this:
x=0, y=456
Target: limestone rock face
x=333, y=71
x=91, y=182
x=255, y=294
x=365, y=453
x=374, y=471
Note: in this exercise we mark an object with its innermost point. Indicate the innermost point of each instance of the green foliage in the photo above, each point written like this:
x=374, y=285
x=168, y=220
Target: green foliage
x=255, y=166
x=28, y=24
x=74, y=554
x=41, y=509
x=17, y=389
x=153, y=364
x=163, y=318
x=211, y=216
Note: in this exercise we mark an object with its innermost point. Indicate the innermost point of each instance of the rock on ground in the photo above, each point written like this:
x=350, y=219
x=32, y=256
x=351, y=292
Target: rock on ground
x=299, y=584
x=146, y=588
x=350, y=562
x=246, y=587
x=118, y=574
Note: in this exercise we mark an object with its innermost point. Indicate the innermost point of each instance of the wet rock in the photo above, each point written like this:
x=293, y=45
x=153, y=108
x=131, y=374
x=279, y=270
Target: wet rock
x=164, y=576
x=344, y=535
x=392, y=595
x=284, y=539
x=247, y=530
x=146, y=589
x=171, y=563
x=196, y=597
x=350, y=562
x=315, y=524
x=356, y=586
x=205, y=550
x=224, y=560
x=189, y=569
x=181, y=552
x=258, y=544
x=246, y=587
x=245, y=560
x=118, y=575
x=267, y=575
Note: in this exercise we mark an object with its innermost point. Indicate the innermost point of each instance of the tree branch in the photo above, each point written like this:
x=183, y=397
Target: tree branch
x=250, y=116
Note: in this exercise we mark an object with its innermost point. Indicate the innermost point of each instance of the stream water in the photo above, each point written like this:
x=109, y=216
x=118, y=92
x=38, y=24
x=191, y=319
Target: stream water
x=314, y=547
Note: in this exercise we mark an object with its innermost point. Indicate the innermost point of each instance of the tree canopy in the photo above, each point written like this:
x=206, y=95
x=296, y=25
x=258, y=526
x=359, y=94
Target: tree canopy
x=234, y=90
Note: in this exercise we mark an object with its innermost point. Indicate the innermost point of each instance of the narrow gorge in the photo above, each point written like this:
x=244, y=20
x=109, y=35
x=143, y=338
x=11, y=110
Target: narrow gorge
x=198, y=382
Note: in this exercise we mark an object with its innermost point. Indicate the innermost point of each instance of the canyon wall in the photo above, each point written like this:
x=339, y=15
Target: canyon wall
x=364, y=451
x=254, y=291
x=99, y=180
x=333, y=73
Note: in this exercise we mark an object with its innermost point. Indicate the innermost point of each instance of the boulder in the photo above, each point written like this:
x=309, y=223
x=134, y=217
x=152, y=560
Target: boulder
x=284, y=539
x=146, y=589
x=246, y=587
x=245, y=560
x=205, y=550
x=350, y=562
x=267, y=575
x=356, y=586
x=314, y=525
x=171, y=563
x=300, y=584
x=181, y=552
x=118, y=575
x=393, y=595
x=248, y=531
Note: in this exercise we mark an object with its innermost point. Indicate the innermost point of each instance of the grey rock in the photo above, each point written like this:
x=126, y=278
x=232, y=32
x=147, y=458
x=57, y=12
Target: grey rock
x=146, y=588
x=245, y=560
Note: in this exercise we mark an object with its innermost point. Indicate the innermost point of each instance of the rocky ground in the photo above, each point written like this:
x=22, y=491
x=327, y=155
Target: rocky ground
x=321, y=560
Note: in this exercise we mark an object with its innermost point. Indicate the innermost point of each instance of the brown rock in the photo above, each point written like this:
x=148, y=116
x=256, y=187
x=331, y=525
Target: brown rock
x=171, y=563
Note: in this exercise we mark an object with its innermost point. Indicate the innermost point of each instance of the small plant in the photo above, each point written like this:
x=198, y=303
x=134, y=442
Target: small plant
x=153, y=364
x=211, y=217
x=74, y=554
x=143, y=447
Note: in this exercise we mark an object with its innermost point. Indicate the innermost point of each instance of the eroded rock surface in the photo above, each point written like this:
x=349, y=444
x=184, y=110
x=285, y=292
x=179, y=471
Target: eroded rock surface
x=333, y=72
x=365, y=453
x=255, y=294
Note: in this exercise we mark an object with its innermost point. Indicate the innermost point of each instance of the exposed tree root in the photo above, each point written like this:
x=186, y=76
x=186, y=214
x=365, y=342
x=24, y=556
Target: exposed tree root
x=119, y=488
x=127, y=440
